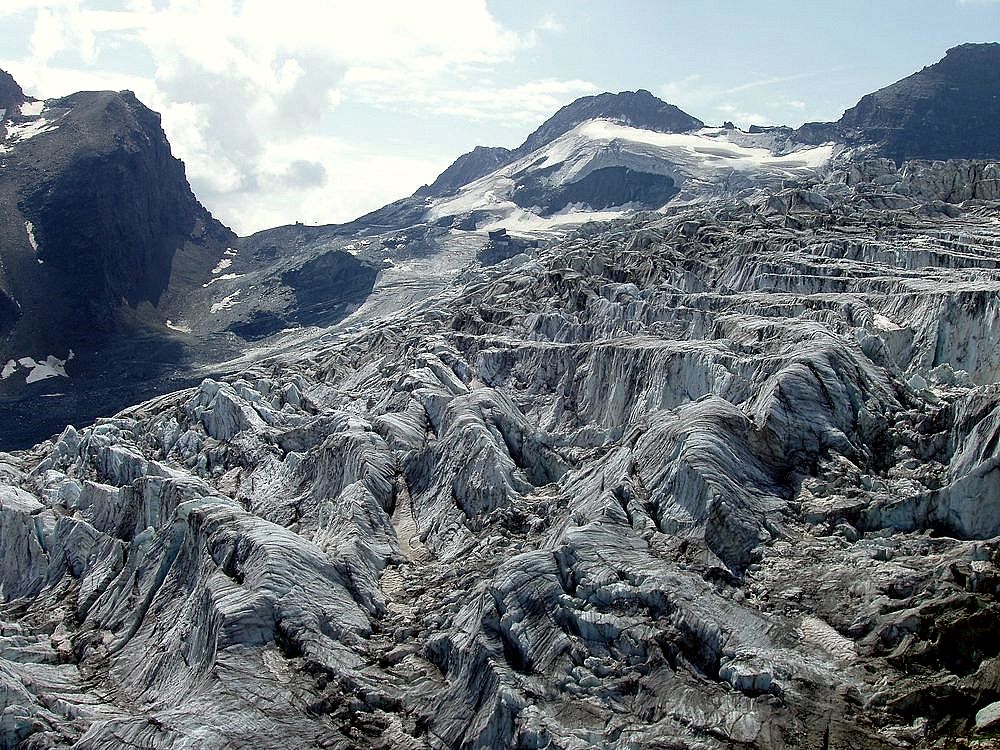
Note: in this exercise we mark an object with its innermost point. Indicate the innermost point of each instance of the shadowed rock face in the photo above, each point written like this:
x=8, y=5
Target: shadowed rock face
x=11, y=94
x=108, y=208
x=102, y=239
x=948, y=110
x=110, y=205
x=328, y=284
x=600, y=189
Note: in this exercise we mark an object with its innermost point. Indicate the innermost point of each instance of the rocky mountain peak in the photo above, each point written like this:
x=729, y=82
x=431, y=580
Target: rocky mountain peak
x=103, y=239
x=11, y=93
x=986, y=52
x=481, y=160
x=639, y=109
x=946, y=110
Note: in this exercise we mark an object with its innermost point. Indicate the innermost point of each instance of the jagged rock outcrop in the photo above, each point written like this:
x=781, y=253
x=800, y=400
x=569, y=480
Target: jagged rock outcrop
x=11, y=94
x=466, y=168
x=948, y=110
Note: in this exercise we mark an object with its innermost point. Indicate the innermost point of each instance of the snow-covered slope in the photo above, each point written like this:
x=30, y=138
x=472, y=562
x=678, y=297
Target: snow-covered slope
x=527, y=193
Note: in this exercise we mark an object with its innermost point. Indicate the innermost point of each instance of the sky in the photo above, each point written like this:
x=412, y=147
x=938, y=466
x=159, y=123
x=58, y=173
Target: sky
x=321, y=110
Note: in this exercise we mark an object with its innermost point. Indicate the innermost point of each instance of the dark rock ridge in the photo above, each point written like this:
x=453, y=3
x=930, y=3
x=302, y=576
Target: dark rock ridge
x=11, y=94
x=101, y=239
x=948, y=110
x=111, y=207
x=466, y=168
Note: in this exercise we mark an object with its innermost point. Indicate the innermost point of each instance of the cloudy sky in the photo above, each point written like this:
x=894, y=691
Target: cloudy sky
x=321, y=110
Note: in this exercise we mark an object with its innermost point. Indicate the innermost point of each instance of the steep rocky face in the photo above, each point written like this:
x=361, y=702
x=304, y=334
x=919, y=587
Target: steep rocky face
x=110, y=205
x=948, y=110
x=101, y=240
x=602, y=188
x=717, y=478
x=11, y=94
x=466, y=168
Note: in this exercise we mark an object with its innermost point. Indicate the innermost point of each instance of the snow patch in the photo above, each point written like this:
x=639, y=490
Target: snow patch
x=710, y=155
x=30, y=229
x=223, y=277
x=526, y=221
x=17, y=133
x=230, y=252
x=32, y=109
x=51, y=367
x=226, y=302
x=708, y=147
x=222, y=265
x=178, y=328
x=885, y=324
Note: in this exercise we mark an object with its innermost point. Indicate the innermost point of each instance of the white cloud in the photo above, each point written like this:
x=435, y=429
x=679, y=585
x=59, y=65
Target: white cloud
x=353, y=181
x=48, y=81
x=242, y=85
x=47, y=38
x=16, y=7
x=525, y=104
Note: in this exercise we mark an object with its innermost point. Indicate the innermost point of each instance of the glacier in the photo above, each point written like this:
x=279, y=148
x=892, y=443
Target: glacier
x=716, y=476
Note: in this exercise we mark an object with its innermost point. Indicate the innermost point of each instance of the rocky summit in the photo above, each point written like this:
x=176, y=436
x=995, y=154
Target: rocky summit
x=110, y=267
x=720, y=474
x=948, y=110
